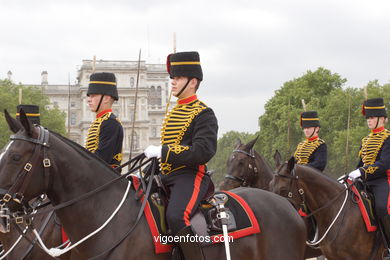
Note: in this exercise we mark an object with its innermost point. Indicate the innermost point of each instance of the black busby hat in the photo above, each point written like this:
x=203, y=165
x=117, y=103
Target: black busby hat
x=32, y=112
x=184, y=64
x=374, y=107
x=103, y=83
x=309, y=119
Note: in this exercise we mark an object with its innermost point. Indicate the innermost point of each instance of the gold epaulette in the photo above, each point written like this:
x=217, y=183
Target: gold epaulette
x=371, y=146
x=305, y=149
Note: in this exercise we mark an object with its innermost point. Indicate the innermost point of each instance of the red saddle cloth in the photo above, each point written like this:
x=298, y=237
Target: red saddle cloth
x=365, y=206
x=246, y=221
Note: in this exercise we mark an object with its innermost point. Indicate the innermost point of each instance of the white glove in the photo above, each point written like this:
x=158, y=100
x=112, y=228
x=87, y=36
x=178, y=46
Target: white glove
x=153, y=151
x=354, y=174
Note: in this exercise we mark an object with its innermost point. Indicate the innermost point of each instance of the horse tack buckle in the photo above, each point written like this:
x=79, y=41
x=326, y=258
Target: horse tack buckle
x=18, y=197
x=19, y=220
x=7, y=197
x=28, y=167
x=46, y=163
x=290, y=194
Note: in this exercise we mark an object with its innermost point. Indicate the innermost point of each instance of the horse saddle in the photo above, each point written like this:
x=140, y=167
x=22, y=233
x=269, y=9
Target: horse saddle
x=365, y=200
x=207, y=221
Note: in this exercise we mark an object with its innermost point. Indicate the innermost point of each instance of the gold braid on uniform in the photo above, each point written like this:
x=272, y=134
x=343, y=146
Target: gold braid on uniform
x=371, y=145
x=174, y=127
x=92, y=142
x=305, y=149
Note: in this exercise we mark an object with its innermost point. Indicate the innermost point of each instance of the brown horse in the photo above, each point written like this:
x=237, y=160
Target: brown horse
x=247, y=168
x=347, y=238
x=50, y=232
x=73, y=172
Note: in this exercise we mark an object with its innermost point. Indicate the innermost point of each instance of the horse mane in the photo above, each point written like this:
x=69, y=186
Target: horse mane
x=82, y=151
x=324, y=174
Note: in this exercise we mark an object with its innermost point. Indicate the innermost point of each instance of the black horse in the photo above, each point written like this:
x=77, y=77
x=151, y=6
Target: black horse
x=347, y=238
x=247, y=168
x=71, y=171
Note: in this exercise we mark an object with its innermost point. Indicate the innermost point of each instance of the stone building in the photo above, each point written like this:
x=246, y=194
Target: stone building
x=153, y=94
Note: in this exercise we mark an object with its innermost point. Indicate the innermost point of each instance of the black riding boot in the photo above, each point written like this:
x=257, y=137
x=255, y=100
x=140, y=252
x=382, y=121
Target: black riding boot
x=385, y=221
x=190, y=250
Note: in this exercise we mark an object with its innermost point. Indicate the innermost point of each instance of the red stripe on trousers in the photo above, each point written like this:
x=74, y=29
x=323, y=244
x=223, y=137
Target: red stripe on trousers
x=388, y=194
x=195, y=194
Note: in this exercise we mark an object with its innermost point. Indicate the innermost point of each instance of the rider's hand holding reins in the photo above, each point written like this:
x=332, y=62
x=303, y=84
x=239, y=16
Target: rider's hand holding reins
x=153, y=151
x=354, y=174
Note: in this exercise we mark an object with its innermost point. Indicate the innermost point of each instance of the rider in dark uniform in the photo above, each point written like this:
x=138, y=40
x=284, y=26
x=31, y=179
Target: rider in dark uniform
x=313, y=150
x=189, y=141
x=105, y=135
x=374, y=164
x=32, y=113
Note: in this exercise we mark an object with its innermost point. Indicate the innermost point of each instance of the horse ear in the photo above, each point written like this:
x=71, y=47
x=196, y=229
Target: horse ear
x=250, y=145
x=14, y=125
x=238, y=143
x=277, y=158
x=26, y=123
x=291, y=164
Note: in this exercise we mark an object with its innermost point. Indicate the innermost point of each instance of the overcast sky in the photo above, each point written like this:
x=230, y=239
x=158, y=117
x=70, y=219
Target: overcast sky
x=248, y=49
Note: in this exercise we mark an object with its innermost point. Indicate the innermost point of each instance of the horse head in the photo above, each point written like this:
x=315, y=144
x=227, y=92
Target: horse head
x=243, y=168
x=21, y=167
x=285, y=181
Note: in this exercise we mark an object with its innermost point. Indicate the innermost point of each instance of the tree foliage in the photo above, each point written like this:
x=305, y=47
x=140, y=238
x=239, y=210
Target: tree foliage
x=53, y=119
x=336, y=104
x=339, y=108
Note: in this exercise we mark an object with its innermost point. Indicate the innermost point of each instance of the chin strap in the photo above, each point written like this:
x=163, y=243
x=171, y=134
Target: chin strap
x=185, y=86
x=313, y=132
x=100, y=102
x=377, y=122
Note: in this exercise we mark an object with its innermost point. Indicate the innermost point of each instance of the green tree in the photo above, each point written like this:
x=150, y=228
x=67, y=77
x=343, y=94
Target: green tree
x=225, y=147
x=279, y=125
x=339, y=109
x=53, y=119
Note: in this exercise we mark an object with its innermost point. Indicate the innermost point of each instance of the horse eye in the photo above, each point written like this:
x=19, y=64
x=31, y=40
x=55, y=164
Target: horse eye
x=16, y=157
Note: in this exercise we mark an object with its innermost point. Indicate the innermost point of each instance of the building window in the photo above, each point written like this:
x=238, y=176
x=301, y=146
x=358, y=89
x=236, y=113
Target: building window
x=154, y=132
x=132, y=82
x=72, y=104
x=72, y=118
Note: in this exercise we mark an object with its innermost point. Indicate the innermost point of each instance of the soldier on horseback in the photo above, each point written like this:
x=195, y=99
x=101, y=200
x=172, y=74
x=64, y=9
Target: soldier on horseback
x=313, y=150
x=105, y=135
x=188, y=142
x=374, y=164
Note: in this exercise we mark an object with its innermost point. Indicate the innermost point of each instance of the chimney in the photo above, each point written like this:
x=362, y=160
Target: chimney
x=9, y=74
x=44, y=78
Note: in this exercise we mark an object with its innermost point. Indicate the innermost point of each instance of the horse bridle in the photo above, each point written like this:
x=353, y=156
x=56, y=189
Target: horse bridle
x=25, y=175
x=244, y=181
x=294, y=180
x=293, y=183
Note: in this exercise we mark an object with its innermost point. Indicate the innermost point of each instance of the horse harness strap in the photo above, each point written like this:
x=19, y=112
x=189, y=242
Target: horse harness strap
x=23, y=178
x=244, y=182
